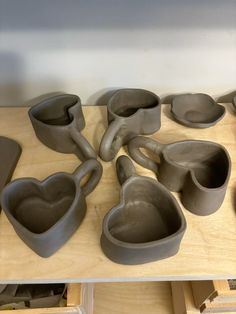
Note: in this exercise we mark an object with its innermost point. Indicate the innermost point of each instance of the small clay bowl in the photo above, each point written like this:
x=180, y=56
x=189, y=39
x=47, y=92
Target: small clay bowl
x=196, y=110
x=147, y=225
x=46, y=214
x=198, y=169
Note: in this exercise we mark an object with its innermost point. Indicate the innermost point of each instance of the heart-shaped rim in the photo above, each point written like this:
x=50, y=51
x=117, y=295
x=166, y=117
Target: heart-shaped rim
x=157, y=148
x=50, y=240
x=110, y=103
x=42, y=186
x=122, y=204
x=72, y=100
x=169, y=146
x=165, y=244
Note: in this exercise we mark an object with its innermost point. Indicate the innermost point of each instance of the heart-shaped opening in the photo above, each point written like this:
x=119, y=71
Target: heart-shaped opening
x=54, y=111
x=38, y=206
x=148, y=213
x=125, y=103
x=208, y=162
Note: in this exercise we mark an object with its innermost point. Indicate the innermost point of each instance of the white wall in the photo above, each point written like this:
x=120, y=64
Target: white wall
x=87, y=46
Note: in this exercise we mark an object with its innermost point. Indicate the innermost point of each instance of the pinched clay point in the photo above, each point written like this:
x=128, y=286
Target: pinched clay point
x=147, y=225
x=196, y=110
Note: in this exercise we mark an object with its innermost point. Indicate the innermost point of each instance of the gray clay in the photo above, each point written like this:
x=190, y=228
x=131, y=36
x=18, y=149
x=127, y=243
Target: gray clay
x=130, y=112
x=196, y=110
x=147, y=225
x=46, y=214
x=234, y=102
x=10, y=154
x=57, y=122
x=198, y=169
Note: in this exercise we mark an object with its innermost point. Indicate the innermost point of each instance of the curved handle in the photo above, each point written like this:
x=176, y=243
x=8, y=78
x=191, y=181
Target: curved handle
x=110, y=143
x=145, y=142
x=93, y=167
x=124, y=168
x=84, y=149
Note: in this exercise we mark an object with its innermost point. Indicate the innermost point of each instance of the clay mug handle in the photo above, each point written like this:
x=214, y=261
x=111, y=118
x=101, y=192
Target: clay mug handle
x=92, y=167
x=124, y=168
x=85, y=150
x=138, y=142
x=111, y=143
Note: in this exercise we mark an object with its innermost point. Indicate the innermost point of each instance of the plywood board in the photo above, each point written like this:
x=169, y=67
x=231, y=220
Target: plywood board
x=208, y=249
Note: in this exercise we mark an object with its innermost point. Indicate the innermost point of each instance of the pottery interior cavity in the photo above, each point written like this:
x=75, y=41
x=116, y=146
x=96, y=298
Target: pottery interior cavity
x=196, y=110
x=9, y=156
x=147, y=225
x=130, y=112
x=199, y=169
x=57, y=122
x=45, y=214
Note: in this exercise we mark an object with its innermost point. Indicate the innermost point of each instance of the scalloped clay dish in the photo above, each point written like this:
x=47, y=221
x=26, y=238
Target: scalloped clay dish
x=196, y=110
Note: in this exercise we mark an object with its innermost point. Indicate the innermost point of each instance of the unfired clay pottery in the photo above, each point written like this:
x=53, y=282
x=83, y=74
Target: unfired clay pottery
x=130, y=112
x=45, y=214
x=199, y=169
x=9, y=156
x=147, y=225
x=196, y=110
x=234, y=102
x=57, y=122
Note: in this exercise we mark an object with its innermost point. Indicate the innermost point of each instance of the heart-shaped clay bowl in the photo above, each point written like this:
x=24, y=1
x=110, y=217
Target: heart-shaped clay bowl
x=196, y=110
x=147, y=225
x=45, y=214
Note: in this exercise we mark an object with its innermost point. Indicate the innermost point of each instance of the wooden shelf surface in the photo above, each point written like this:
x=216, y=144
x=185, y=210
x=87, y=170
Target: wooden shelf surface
x=133, y=298
x=208, y=249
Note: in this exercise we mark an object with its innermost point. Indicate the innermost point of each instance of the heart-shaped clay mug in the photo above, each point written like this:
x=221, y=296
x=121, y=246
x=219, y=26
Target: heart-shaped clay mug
x=199, y=169
x=147, y=225
x=130, y=112
x=46, y=213
x=57, y=122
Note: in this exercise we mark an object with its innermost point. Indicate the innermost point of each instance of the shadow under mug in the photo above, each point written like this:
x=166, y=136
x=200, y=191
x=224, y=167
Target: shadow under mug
x=57, y=122
x=147, y=225
x=130, y=112
x=198, y=169
x=46, y=213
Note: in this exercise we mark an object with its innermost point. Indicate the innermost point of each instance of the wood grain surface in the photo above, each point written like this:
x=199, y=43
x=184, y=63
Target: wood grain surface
x=208, y=249
x=133, y=298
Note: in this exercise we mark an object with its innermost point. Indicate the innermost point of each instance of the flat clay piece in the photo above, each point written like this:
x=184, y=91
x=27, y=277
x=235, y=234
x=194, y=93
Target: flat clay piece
x=196, y=110
x=10, y=154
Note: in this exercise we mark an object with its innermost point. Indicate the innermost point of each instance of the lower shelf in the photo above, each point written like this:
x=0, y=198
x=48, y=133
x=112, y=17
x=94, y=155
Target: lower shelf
x=133, y=298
